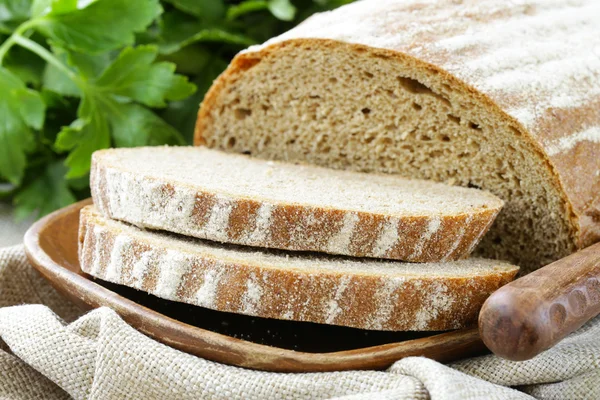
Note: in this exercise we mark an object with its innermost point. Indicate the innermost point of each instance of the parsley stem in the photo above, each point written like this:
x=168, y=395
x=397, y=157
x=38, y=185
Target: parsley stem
x=5, y=47
x=8, y=43
x=46, y=55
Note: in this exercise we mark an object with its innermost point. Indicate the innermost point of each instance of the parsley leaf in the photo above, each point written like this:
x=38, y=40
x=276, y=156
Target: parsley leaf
x=82, y=75
x=47, y=192
x=84, y=136
x=108, y=108
x=135, y=75
x=204, y=9
x=180, y=30
x=53, y=7
x=12, y=13
x=21, y=109
x=88, y=65
x=282, y=9
x=101, y=26
x=134, y=125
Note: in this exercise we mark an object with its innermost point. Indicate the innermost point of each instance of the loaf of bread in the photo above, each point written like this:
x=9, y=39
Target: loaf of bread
x=361, y=293
x=233, y=198
x=498, y=95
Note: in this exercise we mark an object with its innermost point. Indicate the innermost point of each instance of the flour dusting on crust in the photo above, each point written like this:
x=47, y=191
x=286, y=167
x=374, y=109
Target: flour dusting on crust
x=362, y=293
x=295, y=207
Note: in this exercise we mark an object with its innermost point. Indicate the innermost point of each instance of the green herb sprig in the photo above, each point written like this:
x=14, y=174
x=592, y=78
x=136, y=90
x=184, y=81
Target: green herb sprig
x=81, y=75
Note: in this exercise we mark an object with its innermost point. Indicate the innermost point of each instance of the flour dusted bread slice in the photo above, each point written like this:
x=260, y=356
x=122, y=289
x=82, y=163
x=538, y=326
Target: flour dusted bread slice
x=233, y=198
x=479, y=93
x=361, y=293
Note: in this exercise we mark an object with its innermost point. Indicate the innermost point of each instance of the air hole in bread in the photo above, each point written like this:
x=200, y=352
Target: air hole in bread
x=454, y=118
x=473, y=125
x=417, y=106
x=242, y=113
x=366, y=111
x=414, y=86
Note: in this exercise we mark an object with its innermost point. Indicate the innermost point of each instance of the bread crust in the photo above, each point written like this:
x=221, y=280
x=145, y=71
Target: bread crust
x=180, y=270
x=559, y=135
x=288, y=225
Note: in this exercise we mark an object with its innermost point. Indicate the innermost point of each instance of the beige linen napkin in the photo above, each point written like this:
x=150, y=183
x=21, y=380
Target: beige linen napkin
x=49, y=350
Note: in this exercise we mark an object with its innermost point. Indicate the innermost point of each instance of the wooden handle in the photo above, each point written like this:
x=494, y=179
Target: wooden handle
x=535, y=312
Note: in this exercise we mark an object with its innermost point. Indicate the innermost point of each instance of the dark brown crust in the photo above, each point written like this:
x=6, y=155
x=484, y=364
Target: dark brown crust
x=305, y=228
x=202, y=206
x=584, y=230
x=293, y=294
x=412, y=228
x=289, y=223
x=242, y=219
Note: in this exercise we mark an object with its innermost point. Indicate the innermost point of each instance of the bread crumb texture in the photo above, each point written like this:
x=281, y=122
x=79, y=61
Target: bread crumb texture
x=361, y=293
x=503, y=96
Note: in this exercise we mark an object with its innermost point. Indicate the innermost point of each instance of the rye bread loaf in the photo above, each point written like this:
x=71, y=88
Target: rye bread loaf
x=361, y=293
x=484, y=93
x=237, y=199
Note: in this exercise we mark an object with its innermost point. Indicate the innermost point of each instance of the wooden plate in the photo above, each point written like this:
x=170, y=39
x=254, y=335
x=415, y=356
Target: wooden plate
x=51, y=246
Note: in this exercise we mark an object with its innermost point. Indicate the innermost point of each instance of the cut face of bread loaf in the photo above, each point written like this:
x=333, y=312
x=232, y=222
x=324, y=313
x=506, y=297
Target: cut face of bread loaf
x=476, y=93
x=361, y=293
x=234, y=198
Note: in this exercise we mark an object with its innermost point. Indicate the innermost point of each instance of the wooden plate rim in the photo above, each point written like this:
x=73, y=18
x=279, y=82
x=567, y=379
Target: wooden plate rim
x=225, y=349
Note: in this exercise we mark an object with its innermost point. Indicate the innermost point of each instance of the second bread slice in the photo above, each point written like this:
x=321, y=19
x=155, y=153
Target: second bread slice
x=361, y=293
x=238, y=199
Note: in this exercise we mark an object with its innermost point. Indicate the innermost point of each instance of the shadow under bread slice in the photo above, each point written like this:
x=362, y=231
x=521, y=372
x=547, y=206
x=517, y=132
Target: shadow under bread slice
x=361, y=293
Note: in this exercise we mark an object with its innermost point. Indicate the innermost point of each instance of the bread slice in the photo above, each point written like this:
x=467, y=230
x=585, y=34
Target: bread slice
x=487, y=94
x=238, y=199
x=361, y=293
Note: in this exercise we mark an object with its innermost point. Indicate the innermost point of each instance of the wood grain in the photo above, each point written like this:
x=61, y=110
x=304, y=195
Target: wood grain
x=51, y=246
x=535, y=312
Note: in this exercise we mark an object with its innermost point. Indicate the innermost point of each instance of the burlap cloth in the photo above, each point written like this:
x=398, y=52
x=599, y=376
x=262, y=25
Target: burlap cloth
x=49, y=350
